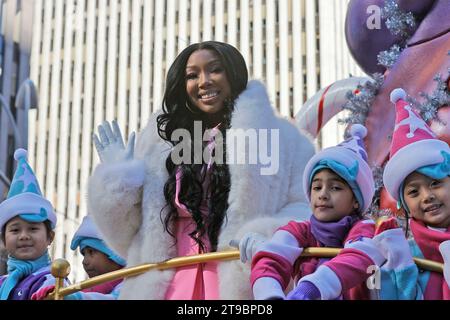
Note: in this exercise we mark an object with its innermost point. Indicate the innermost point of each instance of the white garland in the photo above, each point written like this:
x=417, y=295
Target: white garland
x=433, y=102
x=399, y=23
x=389, y=57
x=374, y=210
x=360, y=101
x=402, y=24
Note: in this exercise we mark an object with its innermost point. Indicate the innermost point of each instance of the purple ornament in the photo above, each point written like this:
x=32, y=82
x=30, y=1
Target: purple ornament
x=366, y=34
x=417, y=8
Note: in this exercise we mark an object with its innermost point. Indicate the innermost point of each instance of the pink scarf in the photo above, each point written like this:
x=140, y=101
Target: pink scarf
x=428, y=241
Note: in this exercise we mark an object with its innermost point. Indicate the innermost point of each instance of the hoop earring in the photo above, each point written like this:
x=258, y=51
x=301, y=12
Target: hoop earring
x=189, y=108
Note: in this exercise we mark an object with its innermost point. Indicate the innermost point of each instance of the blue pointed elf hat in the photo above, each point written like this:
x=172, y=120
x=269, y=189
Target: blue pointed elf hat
x=348, y=160
x=25, y=197
x=88, y=235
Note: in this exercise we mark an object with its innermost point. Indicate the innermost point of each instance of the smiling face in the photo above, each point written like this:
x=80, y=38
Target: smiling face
x=207, y=85
x=427, y=199
x=96, y=262
x=26, y=240
x=331, y=197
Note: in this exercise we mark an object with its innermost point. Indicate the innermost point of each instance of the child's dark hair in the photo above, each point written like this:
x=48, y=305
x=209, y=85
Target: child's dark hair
x=403, y=211
x=406, y=224
x=47, y=224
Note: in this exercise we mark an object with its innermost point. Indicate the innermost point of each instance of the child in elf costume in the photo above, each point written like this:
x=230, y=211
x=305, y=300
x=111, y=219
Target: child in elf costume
x=417, y=176
x=27, y=221
x=98, y=259
x=339, y=185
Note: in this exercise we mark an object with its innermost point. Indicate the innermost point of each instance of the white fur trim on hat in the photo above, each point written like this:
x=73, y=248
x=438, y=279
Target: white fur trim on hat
x=346, y=157
x=88, y=229
x=410, y=158
x=25, y=203
x=20, y=153
x=398, y=94
x=358, y=130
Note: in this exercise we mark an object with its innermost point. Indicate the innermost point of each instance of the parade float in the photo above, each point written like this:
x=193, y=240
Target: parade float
x=399, y=43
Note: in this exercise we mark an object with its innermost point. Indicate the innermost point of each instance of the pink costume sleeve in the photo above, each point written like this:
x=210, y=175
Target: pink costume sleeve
x=277, y=257
x=352, y=263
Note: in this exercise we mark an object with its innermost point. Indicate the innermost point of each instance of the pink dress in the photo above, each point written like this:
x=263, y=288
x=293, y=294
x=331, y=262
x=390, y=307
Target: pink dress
x=195, y=282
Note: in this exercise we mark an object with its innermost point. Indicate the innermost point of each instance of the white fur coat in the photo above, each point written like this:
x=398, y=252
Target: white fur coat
x=126, y=199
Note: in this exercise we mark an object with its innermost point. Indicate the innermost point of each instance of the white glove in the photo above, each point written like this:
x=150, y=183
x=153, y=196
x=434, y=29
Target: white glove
x=249, y=245
x=393, y=245
x=110, y=146
x=444, y=248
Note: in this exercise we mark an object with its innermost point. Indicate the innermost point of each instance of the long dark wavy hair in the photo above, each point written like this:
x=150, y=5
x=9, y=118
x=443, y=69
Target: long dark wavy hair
x=180, y=113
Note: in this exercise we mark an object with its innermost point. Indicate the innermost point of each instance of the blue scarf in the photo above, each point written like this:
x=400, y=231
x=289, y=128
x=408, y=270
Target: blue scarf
x=18, y=269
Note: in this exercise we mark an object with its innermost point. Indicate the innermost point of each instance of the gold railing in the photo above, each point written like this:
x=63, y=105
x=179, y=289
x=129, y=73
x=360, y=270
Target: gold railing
x=61, y=268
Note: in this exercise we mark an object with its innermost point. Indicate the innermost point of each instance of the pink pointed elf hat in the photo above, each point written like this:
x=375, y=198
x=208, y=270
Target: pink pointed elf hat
x=413, y=146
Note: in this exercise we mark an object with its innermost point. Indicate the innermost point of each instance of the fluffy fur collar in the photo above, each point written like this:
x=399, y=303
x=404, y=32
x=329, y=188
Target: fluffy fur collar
x=256, y=202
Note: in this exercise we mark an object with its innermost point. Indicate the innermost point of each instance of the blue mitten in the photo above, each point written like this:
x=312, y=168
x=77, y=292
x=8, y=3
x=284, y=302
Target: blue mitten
x=305, y=290
x=394, y=247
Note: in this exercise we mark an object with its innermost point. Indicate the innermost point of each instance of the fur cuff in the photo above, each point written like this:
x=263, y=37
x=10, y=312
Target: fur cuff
x=299, y=211
x=267, y=289
x=114, y=197
x=129, y=174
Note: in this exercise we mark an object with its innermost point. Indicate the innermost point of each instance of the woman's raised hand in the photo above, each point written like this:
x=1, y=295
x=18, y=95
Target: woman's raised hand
x=110, y=146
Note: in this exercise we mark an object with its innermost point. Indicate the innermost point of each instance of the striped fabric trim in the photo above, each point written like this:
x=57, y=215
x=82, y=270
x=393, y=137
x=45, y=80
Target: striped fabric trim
x=284, y=244
x=369, y=247
x=326, y=281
